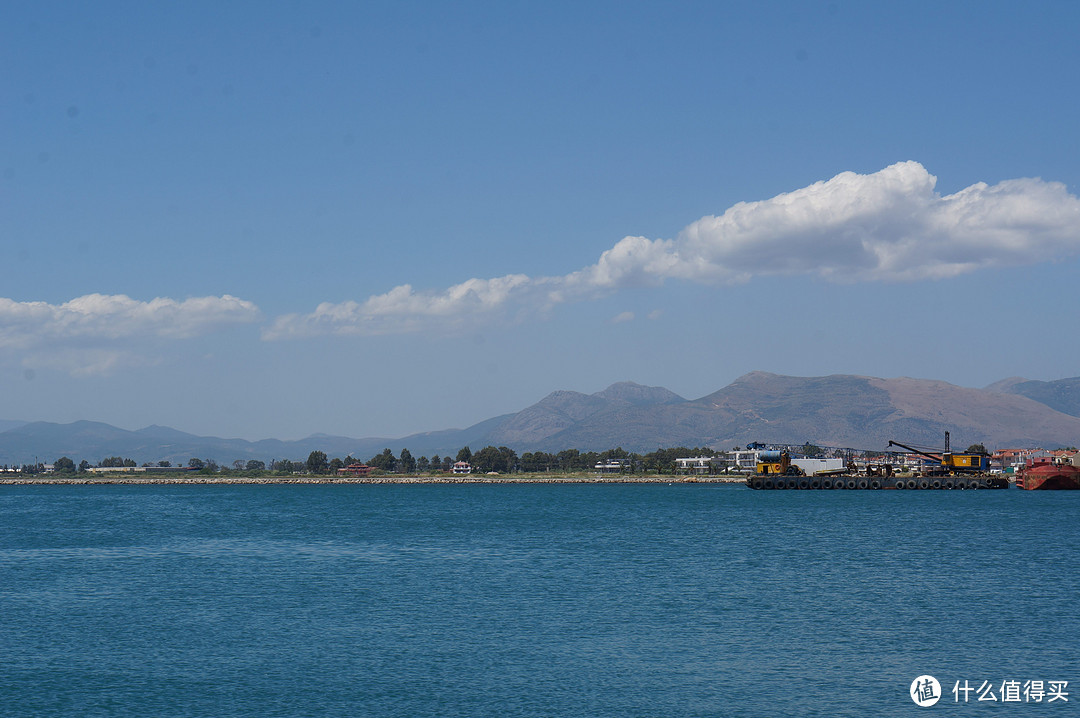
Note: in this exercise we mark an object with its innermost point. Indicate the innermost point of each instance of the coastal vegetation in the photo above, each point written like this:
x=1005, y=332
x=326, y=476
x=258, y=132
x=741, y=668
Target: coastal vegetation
x=490, y=459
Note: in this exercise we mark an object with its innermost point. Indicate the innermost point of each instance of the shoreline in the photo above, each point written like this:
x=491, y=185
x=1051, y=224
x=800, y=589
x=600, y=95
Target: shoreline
x=243, y=480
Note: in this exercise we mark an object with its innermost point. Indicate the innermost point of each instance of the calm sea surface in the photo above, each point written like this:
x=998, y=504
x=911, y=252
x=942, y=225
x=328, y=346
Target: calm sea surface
x=531, y=600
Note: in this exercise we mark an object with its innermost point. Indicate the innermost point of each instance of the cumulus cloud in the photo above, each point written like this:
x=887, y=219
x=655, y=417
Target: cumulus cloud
x=87, y=323
x=890, y=225
x=403, y=309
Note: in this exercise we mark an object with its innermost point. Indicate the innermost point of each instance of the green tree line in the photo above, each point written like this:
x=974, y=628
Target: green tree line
x=498, y=459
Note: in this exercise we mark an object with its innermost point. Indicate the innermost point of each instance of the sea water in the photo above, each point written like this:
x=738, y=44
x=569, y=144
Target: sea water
x=533, y=600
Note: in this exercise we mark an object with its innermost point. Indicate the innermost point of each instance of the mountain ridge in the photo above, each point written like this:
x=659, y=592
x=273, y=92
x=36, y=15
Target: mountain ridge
x=856, y=411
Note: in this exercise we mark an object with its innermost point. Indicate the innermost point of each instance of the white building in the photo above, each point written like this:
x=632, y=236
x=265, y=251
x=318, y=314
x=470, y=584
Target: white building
x=695, y=465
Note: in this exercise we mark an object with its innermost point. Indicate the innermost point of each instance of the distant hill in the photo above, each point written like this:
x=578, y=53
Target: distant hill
x=866, y=412
x=849, y=411
x=840, y=410
x=94, y=441
x=562, y=411
x=1062, y=394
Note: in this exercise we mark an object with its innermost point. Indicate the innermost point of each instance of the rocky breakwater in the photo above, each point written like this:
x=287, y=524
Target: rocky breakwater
x=467, y=479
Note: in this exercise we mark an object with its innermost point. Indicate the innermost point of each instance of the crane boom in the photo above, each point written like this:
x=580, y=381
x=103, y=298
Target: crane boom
x=915, y=451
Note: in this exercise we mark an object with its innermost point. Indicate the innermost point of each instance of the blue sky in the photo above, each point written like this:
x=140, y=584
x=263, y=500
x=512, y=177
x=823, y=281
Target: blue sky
x=372, y=219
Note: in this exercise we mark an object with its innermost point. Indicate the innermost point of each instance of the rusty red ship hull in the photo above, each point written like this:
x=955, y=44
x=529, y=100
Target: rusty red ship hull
x=1046, y=476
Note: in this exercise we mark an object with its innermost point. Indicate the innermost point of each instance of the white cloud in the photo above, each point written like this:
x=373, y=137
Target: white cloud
x=623, y=317
x=891, y=225
x=88, y=361
x=403, y=310
x=102, y=328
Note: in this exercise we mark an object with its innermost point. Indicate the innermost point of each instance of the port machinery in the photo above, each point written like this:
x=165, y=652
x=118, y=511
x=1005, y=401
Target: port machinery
x=849, y=481
x=778, y=469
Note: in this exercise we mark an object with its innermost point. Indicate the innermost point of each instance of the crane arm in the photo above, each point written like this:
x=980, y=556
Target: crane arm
x=915, y=451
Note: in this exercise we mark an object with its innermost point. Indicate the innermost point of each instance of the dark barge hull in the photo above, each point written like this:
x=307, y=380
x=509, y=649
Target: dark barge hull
x=1049, y=477
x=954, y=483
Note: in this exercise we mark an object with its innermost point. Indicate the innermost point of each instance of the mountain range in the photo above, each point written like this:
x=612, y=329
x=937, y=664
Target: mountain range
x=840, y=410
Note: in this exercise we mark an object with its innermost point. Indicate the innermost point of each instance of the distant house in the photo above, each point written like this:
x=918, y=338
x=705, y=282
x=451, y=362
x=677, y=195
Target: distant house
x=354, y=470
x=612, y=466
x=740, y=462
x=462, y=467
x=695, y=465
x=1011, y=460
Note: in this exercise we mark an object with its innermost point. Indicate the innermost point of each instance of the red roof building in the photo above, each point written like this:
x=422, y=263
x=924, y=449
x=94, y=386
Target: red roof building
x=354, y=470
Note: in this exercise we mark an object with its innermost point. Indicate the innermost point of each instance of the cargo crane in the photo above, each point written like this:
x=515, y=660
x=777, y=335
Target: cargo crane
x=963, y=463
x=776, y=469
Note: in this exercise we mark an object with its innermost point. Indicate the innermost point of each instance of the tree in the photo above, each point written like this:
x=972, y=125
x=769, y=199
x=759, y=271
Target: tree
x=488, y=459
x=84, y=466
x=386, y=461
x=238, y=465
x=335, y=464
x=423, y=465
x=534, y=462
x=977, y=449
x=164, y=464
x=436, y=463
x=255, y=465
x=192, y=463
x=407, y=464
x=317, y=463
x=465, y=454
x=510, y=457
x=499, y=459
x=284, y=466
x=64, y=465
x=568, y=459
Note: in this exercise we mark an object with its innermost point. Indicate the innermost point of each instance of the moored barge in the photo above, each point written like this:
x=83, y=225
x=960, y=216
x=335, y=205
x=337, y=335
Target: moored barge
x=1049, y=475
x=952, y=471
x=759, y=481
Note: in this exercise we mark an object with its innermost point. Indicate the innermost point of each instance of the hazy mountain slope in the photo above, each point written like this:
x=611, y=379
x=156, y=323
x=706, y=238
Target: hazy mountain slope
x=1004, y=385
x=977, y=416
x=9, y=424
x=1062, y=395
x=562, y=410
x=627, y=392
x=829, y=410
x=755, y=407
x=94, y=441
x=46, y=441
x=839, y=410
